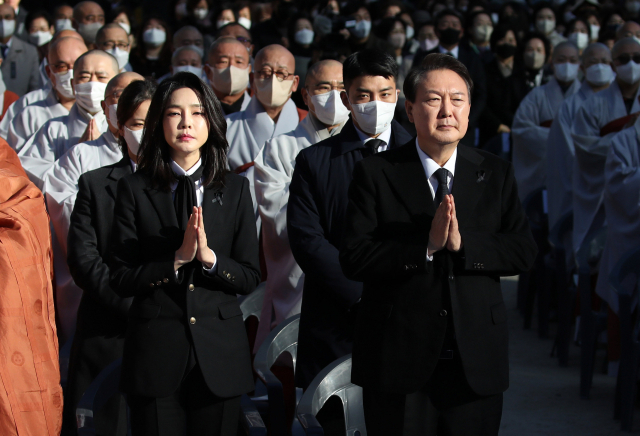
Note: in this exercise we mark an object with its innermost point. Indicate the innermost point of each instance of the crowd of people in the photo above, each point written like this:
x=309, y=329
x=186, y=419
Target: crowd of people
x=188, y=150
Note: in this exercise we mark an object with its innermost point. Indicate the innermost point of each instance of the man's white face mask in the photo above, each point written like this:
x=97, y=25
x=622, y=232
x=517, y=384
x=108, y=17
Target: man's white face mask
x=89, y=95
x=629, y=73
x=122, y=56
x=272, y=92
x=63, y=84
x=374, y=117
x=89, y=31
x=187, y=68
x=329, y=109
x=229, y=81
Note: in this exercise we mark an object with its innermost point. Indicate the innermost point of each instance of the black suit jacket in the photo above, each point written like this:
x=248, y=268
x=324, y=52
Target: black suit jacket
x=400, y=327
x=474, y=64
x=170, y=314
x=102, y=314
x=315, y=223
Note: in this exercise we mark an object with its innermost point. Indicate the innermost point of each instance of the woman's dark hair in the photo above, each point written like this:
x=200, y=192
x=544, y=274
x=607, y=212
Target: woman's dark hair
x=383, y=30
x=131, y=98
x=572, y=25
x=499, y=32
x=113, y=14
x=191, y=4
x=434, y=62
x=220, y=8
x=540, y=6
x=38, y=14
x=541, y=37
x=155, y=153
x=369, y=62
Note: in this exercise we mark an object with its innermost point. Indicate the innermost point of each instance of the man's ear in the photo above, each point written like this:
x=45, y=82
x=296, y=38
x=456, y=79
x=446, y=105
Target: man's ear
x=103, y=105
x=345, y=99
x=305, y=95
x=408, y=107
x=296, y=81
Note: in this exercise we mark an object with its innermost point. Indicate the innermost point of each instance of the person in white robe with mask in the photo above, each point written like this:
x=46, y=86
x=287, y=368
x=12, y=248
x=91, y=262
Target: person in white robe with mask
x=228, y=67
x=88, y=18
x=536, y=114
x=61, y=188
x=86, y=120
x=63, y=53
x=33, y=96
x=185, y=59
x=599, y=118
x=274, y=167
x=113, y=39
x=270, y=113
x=596, y=65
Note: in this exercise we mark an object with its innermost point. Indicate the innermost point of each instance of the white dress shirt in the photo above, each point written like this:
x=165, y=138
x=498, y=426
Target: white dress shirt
x=179, y=171
x=430, y=167
x=384, y=136
x=454, y=51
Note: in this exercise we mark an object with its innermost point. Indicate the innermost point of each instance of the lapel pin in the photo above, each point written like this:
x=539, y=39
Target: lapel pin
x=480, y=175
x=217, y=198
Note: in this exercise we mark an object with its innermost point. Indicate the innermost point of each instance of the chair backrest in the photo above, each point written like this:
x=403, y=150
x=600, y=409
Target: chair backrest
x=284, y=338
x=335, y=380
x=104, y=387
x=252, y=304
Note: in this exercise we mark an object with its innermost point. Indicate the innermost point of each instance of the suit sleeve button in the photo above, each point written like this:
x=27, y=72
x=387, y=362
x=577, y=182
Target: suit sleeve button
x=165, y=280
x=158, y=283
x=443, y=312
x=191, y=287
x=451, y=277
x=151, y=285
x=192, y=320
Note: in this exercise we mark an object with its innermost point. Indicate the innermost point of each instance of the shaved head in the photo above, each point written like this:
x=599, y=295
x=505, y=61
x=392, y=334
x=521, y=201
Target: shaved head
x=565, y=48
x=327, y=70
x=67, y=33
x=628, y=29
x=226, y=40
x=597, y=49
x=121, y=81
x=89, y=56
x=625, y=45
x=67, y=49
x=275, y=56
x=187, y=34
x=111, y=29
x=83, y=9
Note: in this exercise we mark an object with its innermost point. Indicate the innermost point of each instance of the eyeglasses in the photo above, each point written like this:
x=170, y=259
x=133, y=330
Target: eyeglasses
x=108, y=45
x=626, y=57
x=266, y=73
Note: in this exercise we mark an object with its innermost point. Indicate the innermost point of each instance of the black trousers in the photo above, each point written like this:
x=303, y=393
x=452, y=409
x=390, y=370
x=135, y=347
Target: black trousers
x=192, y=410
x=446, y=406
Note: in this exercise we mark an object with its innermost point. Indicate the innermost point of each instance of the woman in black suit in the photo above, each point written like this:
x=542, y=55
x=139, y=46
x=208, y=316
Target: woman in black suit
x=184, y=244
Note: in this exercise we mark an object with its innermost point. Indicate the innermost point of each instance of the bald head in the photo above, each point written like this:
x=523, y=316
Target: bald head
x=67, y=33
x=598, y=51
x=67, y=50
x=7, y=10
x=563, y=51
x=88, y=12
x=627, y=30
x=625, y=45
x=187, y=35
x=111, y=31
x=324, y=71
x=95, y=64
x=276, y=57
x=121, y=81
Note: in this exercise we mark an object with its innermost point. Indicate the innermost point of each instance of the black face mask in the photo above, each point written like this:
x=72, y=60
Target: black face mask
x=449, y=36
x=505, y=51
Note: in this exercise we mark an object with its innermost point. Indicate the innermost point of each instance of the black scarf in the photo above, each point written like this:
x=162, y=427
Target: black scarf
x=185, y=197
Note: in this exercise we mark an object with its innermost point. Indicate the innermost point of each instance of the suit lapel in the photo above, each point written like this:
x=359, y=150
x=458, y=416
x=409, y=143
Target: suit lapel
x=469, y=182
x=213, y=201
x=163, y=204
x=408, y=179
x=117, y=172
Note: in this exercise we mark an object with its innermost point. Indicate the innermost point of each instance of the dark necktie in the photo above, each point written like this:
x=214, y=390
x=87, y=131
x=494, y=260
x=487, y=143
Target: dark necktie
x=443, y=186
x=185, y=197
x=4, y=49
x=374, y=144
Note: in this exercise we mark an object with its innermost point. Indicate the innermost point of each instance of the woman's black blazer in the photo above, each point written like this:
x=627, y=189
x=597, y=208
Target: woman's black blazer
x=170, y=314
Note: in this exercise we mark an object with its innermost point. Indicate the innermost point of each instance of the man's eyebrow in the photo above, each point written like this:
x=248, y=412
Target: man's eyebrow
x=327, y=82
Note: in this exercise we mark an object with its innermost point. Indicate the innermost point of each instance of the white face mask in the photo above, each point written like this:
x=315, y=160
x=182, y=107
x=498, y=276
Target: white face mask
x=133, y=138
x=122, y=56
x=200, y=13
x=187, y=68
x=221, y=23
x=375, y=116
x=581, y=40
x=595, y=31
x=328, y=108
x=428, y=44
x=126, y=27
x=89, y=31
x=629, y=73
x=89, y=95
x=410, y=32
x=304, y=36
x=112, y=115
x=397, y=40
x=545, y=26
x=197, y=49
x=362, y=29
x=599, y=74
x=482, y=33
x=63, y=84
x=154, y=37
x=7, y=28
x=273, y=93
x=244, y=22
x=566, y=72
x=40, y=38
x=63, y=24
x=229, y=81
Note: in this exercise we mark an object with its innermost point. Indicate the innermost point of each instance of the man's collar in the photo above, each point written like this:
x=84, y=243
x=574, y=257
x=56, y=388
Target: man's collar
x=430, y=166
x=454, y=51
x=384, y=136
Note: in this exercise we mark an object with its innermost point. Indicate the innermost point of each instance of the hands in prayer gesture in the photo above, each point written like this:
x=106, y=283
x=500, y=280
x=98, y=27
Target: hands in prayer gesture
x=444, y=228
x=194, y=244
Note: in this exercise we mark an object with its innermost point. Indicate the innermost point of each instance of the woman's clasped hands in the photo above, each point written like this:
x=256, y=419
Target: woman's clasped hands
x=194, y=245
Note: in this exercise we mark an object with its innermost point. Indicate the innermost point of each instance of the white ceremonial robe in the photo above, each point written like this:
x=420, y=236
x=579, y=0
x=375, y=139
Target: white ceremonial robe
x=529, y=135
x=248, y=130
x=560, y=156
x=53, y=139
x=591, y=151
x=61, y=188
x=622, y=208
x=274, y=167
x=28, y=121
x=18, y=105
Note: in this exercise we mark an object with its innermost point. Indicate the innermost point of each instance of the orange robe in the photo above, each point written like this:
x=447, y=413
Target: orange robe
x=30, y=392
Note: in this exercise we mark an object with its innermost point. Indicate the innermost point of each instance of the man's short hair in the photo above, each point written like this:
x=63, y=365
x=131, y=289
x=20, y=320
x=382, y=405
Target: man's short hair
x=369, y=62
x=446, y=13
x=435, y=62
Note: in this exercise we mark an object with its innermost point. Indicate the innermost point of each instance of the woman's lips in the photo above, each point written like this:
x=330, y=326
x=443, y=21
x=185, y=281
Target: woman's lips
x=185, y=137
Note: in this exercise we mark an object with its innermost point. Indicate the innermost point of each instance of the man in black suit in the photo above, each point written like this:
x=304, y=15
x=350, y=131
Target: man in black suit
x=318, y=203
x=430, y=348
x=448, y=28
